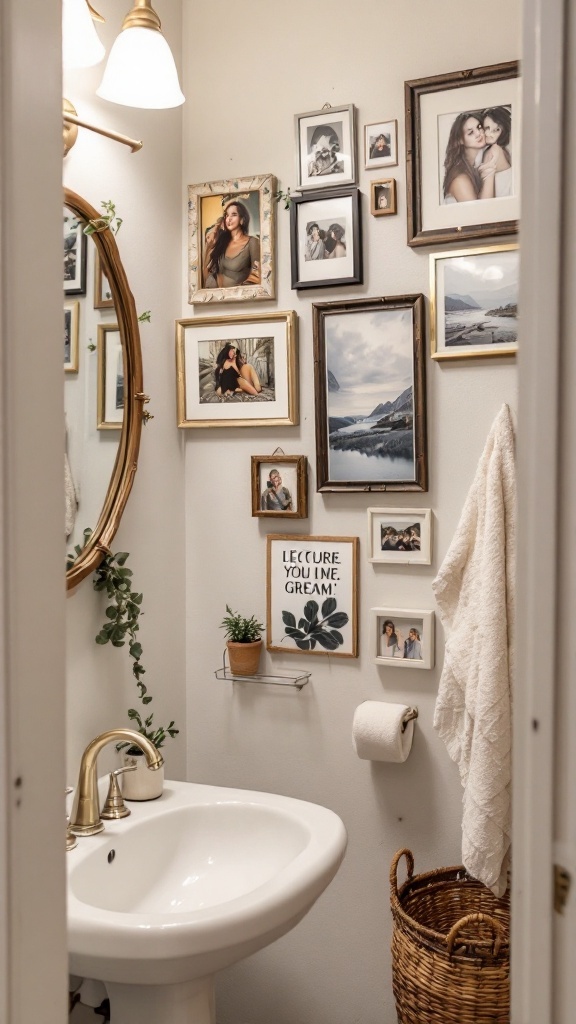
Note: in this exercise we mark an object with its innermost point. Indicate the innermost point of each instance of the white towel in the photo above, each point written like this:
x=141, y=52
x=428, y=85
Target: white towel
x=475, y=593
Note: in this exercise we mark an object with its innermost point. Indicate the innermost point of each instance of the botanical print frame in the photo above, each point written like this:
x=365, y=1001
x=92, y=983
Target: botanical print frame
x=381, y=144
x=474, y=302
x=383, y=197
x=267, y=342
x=326, y=147
x=279, y=486
x=440, y=112
x=369, y=383
x=110, y=396
x=312, y=595
x=403, y=638
x=102, y=291
x=400, y=536
x=325, y=239
x=71, y=325
x=74, y=254
x=206, y=206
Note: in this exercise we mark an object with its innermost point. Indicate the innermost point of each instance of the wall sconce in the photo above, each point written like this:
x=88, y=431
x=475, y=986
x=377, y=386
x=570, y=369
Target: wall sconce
x=140, y=72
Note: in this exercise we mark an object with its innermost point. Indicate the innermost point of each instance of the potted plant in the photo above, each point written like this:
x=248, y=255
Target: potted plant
x=244, y=642
x=122, y=616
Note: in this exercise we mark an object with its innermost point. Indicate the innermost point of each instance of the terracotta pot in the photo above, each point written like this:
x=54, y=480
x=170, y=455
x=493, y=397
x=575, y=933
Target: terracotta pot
x=142, y=784
x=244, y=658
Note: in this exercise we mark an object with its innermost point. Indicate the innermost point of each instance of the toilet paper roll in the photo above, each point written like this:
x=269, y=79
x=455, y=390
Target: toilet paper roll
x=377, y=731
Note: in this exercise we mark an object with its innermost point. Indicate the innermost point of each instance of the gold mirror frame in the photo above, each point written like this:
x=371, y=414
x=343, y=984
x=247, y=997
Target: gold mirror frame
x=127, y=455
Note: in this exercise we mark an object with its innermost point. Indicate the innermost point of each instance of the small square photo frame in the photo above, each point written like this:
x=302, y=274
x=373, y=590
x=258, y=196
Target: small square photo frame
x=110, y=396
x=325, y=239
x=280, y=486
x=326, y=147
x=381, y=144
x=74, y=254
x=403, y=638
x=400, y=536
x=474, y=302
x=383, y=200
x=71, y=323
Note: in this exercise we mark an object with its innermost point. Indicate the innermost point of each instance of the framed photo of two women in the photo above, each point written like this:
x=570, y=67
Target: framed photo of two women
x=463, y=154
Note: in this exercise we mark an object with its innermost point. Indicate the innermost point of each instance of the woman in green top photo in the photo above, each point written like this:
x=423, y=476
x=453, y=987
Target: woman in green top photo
x=235, y=256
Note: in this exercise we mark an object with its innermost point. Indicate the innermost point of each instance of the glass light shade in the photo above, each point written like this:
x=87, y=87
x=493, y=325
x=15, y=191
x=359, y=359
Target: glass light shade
x=141, y=71
x=81, y=46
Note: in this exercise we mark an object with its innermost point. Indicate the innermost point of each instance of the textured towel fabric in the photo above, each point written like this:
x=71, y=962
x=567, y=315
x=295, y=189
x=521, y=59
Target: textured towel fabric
x=475, y=593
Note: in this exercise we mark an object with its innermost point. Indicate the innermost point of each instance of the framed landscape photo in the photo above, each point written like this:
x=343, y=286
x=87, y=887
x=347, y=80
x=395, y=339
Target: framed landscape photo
x=231, y=240
x=402, y=638
x=71, y=324
x=380, y=144
x=369, y=382
x=463, y=154
x=400, y=536
x=383, y=197
x=474, y=302
x=102, y=290
x=237, y=371
x=325, y=239
x=312, y=595
x=280, y=486
x=326, y=147
x=110, y=397
x=74, y=242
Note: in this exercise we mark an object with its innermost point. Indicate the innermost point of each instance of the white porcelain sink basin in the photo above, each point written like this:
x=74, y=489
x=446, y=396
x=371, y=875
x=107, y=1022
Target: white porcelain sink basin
x=190, y=883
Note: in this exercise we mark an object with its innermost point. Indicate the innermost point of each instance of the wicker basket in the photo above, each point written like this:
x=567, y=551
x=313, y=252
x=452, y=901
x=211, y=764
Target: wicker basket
x=450, y=948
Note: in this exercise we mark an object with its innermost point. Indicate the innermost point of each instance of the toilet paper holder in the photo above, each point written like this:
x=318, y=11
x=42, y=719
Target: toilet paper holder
x=409, y=715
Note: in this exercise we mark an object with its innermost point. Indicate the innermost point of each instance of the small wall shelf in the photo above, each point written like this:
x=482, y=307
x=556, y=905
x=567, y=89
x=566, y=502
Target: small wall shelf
x=259, y=677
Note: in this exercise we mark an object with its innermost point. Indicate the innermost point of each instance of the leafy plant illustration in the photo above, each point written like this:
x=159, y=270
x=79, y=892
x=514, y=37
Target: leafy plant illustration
x=312, y=630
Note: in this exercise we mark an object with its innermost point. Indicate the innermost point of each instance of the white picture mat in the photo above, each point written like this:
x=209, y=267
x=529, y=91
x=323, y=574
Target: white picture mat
x=289, y=555
x=454, y=101
x=113, y=361
x=193, y=336
x=492, y=260
x=335, y=211
x=400, y=518
x=341, y=116
x=404, y=619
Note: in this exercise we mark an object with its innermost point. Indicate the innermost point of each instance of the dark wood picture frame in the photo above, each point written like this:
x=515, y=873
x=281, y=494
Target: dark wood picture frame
x=74, y=254
x=296, y=495
x=310, y=206
x=397, y=434
x=414, y=92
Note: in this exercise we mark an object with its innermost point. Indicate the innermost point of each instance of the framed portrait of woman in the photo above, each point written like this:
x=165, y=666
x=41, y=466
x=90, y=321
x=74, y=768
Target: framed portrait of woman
x=463, y=154
x=231, y=240
x=280, y=486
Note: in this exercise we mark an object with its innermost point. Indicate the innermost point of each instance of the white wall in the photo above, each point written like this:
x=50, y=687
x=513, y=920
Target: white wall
x=245, y=78
x=146, y=188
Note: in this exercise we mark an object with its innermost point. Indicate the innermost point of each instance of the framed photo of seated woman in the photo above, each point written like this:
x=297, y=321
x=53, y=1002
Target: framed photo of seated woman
x=463, y=154
x=231, y=240
x=237, y=371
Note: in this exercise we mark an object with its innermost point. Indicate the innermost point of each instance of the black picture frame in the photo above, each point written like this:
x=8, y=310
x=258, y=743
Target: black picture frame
x=380, y=422
x=326, y=210
x=431, y=107
x=74, y=254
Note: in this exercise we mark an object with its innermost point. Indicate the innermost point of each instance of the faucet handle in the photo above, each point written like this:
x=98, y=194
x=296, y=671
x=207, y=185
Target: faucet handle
x=71, y=840
x=115, y=806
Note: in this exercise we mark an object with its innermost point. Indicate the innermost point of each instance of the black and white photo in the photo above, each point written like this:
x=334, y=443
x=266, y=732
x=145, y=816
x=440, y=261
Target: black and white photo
x=325, y=147
x=325, y=239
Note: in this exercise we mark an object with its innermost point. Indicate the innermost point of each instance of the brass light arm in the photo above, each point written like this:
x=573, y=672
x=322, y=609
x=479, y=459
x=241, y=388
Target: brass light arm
x=70, y=118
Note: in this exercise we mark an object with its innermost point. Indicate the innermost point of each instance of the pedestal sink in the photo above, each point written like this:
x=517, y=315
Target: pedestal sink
x=188, y=884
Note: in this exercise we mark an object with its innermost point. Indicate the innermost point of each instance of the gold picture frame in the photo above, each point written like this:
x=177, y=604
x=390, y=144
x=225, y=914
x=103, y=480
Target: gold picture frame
x=266, y=348
x=383, y=201
x=480, y=286
x=312, y=595
x=71, y=329
x=111, y=392
x=103, y=298
x=279, y=486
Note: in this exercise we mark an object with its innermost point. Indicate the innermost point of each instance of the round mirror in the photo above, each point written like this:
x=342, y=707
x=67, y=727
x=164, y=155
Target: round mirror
x=103, y=388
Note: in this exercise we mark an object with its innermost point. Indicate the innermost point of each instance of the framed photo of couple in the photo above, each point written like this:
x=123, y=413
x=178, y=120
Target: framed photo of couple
x=325, y=240
x=402, y=638
x=400, y=536
x=280, y=486
x=463, y=154
x=237, y=371
x=231, y=238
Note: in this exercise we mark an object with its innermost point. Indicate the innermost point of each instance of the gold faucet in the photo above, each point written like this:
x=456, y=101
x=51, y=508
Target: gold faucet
x=85, y=817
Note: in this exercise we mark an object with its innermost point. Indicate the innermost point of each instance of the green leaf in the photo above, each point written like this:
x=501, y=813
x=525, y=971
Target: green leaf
x=337, y=620
x=327, y=641
x=311, y=610
x=136, y=650
x=328, y=606
x=304, y=645
x=121, y=557
x=111, y=611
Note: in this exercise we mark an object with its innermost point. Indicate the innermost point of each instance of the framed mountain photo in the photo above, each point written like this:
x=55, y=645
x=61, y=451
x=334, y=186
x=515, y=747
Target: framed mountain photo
x=370, y=395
